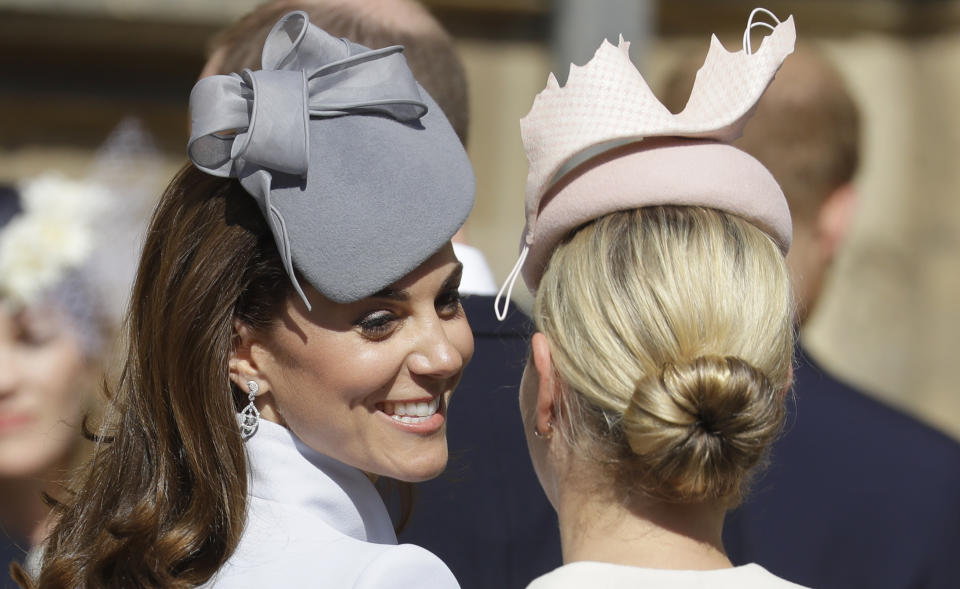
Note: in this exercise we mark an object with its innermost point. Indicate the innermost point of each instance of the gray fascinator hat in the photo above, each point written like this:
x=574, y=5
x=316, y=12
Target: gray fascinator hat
x=355, y=168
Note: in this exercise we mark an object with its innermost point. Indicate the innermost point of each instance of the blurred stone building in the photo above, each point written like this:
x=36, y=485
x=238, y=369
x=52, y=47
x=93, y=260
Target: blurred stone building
x=890, y=321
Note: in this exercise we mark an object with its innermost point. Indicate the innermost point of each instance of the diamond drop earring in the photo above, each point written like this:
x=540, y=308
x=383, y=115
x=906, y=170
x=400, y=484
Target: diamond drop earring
x=249, y=418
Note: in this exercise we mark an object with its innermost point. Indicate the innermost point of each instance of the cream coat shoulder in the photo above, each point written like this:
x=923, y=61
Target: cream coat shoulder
x=315, y=522
x=356, y=565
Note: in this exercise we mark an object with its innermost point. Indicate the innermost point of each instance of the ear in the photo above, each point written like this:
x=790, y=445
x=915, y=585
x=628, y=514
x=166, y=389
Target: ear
x=835, y=218
x=242, y=361
x=782, y=395
x=548, y=389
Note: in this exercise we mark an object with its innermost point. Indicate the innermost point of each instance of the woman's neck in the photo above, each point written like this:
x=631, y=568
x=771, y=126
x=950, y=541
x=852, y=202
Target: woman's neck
x=24, y=516
x=594, y=526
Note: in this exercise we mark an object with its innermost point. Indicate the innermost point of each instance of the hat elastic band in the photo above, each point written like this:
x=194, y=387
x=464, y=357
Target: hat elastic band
x=508, y=285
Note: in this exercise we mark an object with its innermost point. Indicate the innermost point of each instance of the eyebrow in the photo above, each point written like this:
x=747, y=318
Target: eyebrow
x=389, y=293
x=452, y=281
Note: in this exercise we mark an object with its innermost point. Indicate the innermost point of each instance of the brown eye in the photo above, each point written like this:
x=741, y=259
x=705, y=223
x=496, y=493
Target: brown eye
x=448, y=303
x=377, y=325
x=35, y=333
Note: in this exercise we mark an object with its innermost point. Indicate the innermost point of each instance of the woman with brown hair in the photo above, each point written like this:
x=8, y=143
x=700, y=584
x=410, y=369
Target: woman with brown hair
x=664, y=313
x=295, y=332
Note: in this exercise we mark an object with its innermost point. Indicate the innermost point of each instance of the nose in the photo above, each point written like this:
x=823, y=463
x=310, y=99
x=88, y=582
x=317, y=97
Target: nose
x=435, y=354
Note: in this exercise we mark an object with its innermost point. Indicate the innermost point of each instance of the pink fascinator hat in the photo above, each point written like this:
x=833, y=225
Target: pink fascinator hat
x=604, y=143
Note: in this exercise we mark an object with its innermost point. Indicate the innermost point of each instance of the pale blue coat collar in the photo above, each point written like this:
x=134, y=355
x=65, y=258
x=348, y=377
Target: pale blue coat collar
x=285, y=470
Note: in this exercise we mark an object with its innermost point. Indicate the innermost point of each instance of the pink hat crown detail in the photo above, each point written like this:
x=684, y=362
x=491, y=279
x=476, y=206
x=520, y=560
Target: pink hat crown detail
x=606, y=103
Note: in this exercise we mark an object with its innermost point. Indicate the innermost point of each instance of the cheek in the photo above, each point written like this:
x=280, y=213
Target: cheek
x=355, y=373
x=56, y=377
x=55, y=390
x=461, y=337
x=69, y=384
x=314, y=386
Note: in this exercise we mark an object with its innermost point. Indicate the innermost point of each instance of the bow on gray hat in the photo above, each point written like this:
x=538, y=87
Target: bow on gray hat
x=356, y=170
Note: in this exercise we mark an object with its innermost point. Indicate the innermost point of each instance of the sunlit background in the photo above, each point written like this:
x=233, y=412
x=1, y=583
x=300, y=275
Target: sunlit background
x=70, y=70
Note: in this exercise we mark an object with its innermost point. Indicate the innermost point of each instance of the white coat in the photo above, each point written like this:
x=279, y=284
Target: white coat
x=315, y=522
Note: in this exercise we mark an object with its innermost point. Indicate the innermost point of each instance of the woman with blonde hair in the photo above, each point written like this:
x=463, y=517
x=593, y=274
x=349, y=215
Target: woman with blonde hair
x=664, y=317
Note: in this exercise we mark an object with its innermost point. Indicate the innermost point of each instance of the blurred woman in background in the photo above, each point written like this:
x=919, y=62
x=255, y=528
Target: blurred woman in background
x=68, y=251
x=53, y=336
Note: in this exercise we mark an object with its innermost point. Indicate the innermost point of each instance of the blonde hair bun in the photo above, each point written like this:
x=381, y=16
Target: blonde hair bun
x=699, y=426
x=672, y=331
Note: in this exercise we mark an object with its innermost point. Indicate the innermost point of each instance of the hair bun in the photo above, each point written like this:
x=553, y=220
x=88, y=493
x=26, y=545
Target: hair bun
x=698, y=427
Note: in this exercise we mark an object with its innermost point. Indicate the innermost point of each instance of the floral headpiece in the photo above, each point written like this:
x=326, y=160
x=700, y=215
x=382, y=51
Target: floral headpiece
x=75, y=243
x=52, y=234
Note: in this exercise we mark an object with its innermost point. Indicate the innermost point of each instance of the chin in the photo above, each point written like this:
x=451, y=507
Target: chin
x=423, y=467
x=27, y=464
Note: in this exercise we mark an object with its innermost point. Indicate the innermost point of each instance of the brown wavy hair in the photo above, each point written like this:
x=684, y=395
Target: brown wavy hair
x=163, y=501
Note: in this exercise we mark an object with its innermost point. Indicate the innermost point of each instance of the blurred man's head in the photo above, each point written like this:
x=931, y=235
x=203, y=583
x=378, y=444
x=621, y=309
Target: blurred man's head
x=806, y=131
x=429, y=50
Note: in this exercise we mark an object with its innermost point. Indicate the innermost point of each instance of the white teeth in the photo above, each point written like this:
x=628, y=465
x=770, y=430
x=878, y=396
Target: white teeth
x=412, y=412
x=408, y=419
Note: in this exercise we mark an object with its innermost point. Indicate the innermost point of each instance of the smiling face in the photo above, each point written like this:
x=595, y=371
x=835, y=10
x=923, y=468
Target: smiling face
x=367, y=383
x=42, y=379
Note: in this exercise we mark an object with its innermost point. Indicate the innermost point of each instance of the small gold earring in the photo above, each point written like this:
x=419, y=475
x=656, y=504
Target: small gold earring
x=544, y=435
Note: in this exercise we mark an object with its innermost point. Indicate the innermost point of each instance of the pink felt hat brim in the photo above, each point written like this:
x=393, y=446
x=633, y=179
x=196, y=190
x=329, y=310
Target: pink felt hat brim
x=673, y=171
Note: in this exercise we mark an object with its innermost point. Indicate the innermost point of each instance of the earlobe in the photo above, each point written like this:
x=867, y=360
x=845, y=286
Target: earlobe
x=836, y=217
x=241, y=362
x=548, y=389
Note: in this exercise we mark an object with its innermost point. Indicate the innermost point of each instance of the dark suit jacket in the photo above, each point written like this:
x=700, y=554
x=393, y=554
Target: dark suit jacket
x=10, y=550
x=857, y=495
x=486, y=516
